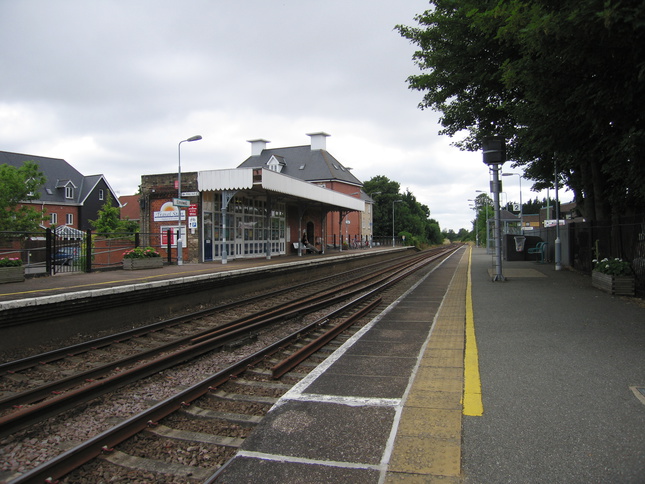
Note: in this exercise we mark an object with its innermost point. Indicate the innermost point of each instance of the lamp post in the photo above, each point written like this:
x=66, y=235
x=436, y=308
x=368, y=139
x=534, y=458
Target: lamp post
x=521, y=206
x=395, y=201
x=474, y=207
x=558, y=246
x=179, y=243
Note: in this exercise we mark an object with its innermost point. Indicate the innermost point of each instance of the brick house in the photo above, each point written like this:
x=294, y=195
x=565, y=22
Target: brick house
x=68, y=197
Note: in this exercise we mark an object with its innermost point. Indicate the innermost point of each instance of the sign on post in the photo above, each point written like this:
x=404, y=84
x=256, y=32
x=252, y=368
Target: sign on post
x=180, y=202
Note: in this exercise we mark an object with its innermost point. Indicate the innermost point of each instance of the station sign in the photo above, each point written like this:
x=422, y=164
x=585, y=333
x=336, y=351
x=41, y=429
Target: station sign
x=180, y=202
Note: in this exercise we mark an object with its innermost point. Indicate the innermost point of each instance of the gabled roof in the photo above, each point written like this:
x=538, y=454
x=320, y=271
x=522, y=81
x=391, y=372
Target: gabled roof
x=58, y=174
x=315, y=166
x=89, y=184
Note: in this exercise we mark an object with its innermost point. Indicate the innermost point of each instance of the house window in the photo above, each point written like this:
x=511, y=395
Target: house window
x=69, y=191
x=100, y=194
x=53, y=218
x=69, y=219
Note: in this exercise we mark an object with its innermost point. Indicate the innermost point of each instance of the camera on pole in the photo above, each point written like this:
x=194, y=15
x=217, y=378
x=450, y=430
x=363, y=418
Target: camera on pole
x=494, y=150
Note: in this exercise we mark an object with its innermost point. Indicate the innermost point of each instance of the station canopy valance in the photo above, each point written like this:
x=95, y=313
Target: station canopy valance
x=261, y=179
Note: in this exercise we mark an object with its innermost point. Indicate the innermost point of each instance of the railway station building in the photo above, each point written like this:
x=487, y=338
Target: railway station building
x=269, y=205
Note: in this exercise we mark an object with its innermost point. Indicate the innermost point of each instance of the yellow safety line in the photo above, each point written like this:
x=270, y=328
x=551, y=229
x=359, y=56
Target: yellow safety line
x=473, y=405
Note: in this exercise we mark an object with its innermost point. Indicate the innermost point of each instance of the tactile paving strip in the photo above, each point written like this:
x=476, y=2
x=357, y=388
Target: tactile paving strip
x=428, y=441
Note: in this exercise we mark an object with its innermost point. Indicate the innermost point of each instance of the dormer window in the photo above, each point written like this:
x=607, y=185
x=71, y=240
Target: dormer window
x=68, y=186
x=276, y=163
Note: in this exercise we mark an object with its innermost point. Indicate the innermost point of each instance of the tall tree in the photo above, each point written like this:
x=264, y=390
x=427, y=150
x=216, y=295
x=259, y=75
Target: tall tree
x=109, y=220
x=483, y=213
x=20, y=185
x=410, y=216
x=563, y=82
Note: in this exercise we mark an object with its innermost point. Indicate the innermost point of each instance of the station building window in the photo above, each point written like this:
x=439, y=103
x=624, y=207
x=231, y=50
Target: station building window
x=246, y=229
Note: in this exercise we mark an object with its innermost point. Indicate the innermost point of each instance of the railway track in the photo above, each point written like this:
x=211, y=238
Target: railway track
x=32, y=379
x=248, y=383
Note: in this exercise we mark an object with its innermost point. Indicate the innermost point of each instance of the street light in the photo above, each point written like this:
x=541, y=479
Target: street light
x=474, y=207
x=179, y=244
x=395, y=201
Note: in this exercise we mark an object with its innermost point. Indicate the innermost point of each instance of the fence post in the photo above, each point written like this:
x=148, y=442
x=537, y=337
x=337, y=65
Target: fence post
x=169, y=246
x=48, y=251
x=88, y=251
x=136, y=239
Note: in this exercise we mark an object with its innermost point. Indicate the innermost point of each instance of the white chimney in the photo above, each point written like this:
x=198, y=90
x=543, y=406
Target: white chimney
x=318, y=140
x=257, y=145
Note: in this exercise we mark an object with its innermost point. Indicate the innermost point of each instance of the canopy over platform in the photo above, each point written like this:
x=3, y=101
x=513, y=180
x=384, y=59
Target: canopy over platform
x=264, y=180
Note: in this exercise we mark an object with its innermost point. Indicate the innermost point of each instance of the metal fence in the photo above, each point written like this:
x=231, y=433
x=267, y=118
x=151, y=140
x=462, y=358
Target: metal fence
x=584, y=242
x=361, y=242
x=597, y=240
x=49, y=252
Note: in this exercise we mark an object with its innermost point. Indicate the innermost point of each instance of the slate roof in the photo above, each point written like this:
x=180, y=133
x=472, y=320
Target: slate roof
x=59, y=174
x=315, y=166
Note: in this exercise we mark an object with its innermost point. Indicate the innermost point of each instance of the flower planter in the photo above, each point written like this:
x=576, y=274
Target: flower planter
x=146, y=263
x=12, y=274
x=616, y=285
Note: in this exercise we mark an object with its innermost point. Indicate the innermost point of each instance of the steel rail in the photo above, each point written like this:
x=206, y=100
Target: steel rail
x=264, y=317
x=309, y=349
x=306, y=351
x=45, y=409
x=80, y=348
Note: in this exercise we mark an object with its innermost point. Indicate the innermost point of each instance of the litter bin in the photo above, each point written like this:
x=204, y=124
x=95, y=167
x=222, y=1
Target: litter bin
x=519, y=243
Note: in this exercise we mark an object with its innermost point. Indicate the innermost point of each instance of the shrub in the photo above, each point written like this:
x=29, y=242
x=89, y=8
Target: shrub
x=140, y=253
x=614, y=267
x=10, y=262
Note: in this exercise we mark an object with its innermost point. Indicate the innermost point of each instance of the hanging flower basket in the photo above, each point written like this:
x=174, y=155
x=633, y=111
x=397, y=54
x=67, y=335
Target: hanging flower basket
x=11, y=270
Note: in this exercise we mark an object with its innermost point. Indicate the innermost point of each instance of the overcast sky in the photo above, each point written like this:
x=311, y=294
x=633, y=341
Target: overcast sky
x=112, y=86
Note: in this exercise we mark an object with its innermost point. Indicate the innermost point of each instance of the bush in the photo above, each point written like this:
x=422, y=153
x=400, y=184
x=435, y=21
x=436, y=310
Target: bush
x=10, y=262
x=614, y=267
x=140, y=253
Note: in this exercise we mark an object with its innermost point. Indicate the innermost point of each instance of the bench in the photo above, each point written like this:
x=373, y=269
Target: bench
x=540, y=249
x=305, y=249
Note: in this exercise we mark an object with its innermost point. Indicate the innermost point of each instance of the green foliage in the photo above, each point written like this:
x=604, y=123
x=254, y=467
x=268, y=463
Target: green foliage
x=399, y=213
x=561, y=81
x=615, y=267
x=464, y=235
x=483, y=212
x=109, y=221
x=140, y=253
x=20, y=185
x=10, y=262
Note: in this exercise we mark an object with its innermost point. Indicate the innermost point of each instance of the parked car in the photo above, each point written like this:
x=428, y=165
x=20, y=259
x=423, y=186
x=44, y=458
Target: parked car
x=65, y=256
